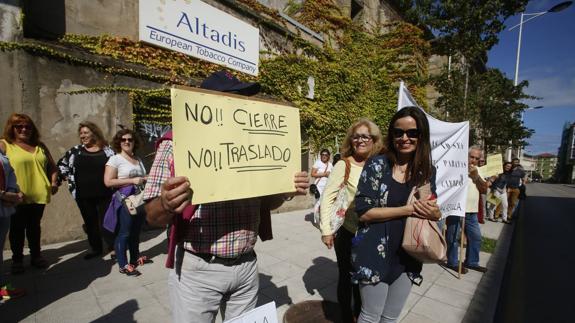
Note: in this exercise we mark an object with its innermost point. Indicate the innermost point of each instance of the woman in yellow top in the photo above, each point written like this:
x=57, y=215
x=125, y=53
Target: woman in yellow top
x=36, y=176
x=363, y=140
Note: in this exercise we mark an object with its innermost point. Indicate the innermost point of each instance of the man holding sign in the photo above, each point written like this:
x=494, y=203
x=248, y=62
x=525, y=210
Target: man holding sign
x=475, y=187
x=215, y=264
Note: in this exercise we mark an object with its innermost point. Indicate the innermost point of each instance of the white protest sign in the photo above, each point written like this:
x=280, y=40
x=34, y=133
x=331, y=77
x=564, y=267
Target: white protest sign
x=264, y=314
x=449, y=148
x=195, y=28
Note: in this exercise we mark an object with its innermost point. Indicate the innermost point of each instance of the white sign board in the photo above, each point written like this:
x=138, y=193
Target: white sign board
x=264, y=314
x=449, y=148
x=200, y=30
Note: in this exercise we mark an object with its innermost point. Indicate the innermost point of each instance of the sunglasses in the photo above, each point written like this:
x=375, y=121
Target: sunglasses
x=127, y=139
x=327, y=155
x=22, y=126
x=411, y=133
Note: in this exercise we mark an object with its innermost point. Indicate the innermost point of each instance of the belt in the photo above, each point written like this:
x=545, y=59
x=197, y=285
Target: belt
x=213, y=259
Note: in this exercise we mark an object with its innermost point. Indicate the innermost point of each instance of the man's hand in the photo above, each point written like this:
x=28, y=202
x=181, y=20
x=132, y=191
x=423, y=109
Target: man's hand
x=176, y=194
x=327, y=240
x=473, y=172
x=301, y=183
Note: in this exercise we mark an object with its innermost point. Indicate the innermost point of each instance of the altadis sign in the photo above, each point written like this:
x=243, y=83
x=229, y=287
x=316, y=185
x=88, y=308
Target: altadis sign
x=200, y=30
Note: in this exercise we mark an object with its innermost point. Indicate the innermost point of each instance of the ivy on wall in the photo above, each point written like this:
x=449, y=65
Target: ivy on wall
x=356, y=73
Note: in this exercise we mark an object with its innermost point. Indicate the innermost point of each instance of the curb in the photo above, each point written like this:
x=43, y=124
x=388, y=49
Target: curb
x=484, y=302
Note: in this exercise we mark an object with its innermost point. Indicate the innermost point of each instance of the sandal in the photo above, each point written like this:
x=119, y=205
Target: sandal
x=130, y=270
x=144, y=260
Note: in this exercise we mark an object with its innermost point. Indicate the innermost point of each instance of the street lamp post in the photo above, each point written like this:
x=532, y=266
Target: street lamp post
x=556, y=8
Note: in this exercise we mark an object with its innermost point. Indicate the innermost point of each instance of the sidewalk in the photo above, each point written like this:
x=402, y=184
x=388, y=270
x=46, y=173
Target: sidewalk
x=295, y=266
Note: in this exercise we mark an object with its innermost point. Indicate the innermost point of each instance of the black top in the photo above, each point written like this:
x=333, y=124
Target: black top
x=499, y=182
x=514, y=177
x=377, y=255
x=90, y=175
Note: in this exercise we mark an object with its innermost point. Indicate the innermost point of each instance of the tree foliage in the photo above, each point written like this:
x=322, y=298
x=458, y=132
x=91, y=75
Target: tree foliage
x=492, y=106
x=468, y=27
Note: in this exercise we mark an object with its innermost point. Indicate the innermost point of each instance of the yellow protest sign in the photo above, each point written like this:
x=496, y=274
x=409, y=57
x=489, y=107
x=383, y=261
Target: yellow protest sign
x=493, y=166
x=233, y=147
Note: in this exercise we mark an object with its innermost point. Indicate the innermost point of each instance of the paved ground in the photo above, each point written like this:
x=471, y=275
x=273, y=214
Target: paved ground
x=294, y=266
x=538, y=283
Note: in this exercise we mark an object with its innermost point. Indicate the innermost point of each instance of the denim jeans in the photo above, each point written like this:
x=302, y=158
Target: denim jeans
x=473, y=234
x=128, y=237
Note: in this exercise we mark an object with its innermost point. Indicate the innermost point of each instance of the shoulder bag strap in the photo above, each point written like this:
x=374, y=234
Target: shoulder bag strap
x=347, y=170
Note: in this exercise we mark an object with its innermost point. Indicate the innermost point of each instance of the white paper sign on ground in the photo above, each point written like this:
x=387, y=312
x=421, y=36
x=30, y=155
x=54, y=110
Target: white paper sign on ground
x=449, y=149
x=195, y=28
x=264, y=314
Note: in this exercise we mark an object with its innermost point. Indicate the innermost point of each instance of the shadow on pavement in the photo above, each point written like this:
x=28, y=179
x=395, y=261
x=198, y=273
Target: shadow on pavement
x=122, y=313
x=67, y=275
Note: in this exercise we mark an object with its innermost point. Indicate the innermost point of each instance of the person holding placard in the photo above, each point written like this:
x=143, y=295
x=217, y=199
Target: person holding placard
x=475, y=186
x=363, y=141
x=212, y=244
x=381, y=267
x=498, y=190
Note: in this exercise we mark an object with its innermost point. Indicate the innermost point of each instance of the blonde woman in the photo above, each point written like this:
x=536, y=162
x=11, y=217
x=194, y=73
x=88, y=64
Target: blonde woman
x=363, y=140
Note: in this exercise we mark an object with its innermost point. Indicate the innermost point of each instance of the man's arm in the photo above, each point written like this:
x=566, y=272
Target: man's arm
x=479, y=182
x=174, y=197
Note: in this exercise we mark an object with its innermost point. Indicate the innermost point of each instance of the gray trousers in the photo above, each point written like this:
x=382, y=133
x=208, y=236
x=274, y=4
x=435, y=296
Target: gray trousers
x=382, y=302
x=199, y=289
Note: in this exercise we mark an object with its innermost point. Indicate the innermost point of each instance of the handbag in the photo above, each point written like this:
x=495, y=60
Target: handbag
x=135, y=202
x=422, y=238
x=340, y=204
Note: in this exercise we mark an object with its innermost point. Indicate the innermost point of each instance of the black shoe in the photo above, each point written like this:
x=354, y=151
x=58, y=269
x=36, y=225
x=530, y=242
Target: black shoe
x=506, y=222
x=456, y=268
x=92, y=255
x=478, y=268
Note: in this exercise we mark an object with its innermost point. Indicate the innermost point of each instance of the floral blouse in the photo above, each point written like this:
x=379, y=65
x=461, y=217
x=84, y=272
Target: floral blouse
x=376, y=251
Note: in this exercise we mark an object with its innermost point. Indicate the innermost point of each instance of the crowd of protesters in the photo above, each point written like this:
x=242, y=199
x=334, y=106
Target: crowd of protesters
x=95, y=172
x=211, y=246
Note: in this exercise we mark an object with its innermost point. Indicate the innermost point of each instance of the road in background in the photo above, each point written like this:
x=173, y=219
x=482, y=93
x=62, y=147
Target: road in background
x=539, y=281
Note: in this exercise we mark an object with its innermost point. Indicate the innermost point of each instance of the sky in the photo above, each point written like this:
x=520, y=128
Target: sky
x=547, y=61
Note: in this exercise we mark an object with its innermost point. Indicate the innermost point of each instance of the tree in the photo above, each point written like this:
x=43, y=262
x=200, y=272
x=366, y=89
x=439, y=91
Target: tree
x=491, y=105
x=468, y=27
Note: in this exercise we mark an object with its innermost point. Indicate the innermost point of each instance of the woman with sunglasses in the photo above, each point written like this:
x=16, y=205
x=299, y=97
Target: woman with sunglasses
x=36, y=175
x=83, y=167
x=126, y=173
x=384, y=271
x=363, y=140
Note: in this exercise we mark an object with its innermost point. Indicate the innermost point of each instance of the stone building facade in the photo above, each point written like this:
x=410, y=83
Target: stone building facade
x=37, y=85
